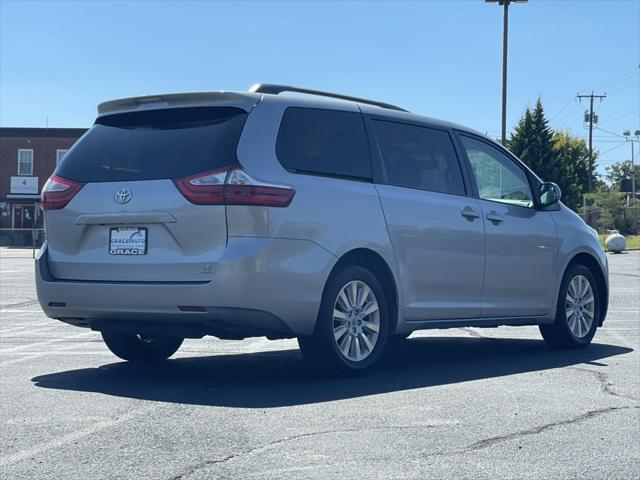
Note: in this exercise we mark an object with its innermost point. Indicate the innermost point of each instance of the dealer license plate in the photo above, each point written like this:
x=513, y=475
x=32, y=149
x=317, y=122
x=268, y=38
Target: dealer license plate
x=128, y=241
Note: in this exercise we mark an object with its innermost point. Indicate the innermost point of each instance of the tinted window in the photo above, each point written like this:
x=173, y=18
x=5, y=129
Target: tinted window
x=155, y=144
x=325, y=142
x=498, y=178
x=419, y=157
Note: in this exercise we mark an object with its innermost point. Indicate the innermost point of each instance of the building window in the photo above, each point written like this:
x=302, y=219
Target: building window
x=60, y=153
x=25, y=162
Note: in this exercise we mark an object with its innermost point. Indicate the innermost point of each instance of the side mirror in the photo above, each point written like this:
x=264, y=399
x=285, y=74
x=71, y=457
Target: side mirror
x=549, y=194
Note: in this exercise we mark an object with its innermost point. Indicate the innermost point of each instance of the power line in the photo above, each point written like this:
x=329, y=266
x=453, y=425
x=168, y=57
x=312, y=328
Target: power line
x=568, y=114
x=617, y=78
x=610, y=133
x=621, y=116
x=624, y=88
x=562, y=109
x=575, y=121
x=612, y=149
x=628, y=78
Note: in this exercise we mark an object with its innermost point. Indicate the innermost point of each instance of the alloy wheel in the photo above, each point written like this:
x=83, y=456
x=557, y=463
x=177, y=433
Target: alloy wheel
x=356, y=321
x=580, y=306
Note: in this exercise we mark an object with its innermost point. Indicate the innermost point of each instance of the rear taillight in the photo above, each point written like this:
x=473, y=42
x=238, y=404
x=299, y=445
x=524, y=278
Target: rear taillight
x=58, y=192
x=204, y=188
x=233, y=186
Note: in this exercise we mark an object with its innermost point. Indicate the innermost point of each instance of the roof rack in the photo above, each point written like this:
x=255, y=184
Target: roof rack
x=275, y=89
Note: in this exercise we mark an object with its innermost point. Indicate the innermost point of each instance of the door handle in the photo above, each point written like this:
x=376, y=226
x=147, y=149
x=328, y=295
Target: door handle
x=494, y=217
x=469, y=213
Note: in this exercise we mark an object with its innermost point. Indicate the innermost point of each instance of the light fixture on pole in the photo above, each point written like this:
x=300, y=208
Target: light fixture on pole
x=505, y=36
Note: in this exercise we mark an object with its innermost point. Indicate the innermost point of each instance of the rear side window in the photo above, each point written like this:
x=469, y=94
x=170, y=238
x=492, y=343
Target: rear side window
x=419, y=157
x=155, y=144
x=323, y=142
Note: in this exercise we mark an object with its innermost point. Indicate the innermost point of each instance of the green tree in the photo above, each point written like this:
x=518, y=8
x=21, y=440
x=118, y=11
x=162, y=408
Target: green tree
x=554, y=156
x=532, y=142
x=609, y=206
x=570, y=167
x=621, y=170
x=519, y=141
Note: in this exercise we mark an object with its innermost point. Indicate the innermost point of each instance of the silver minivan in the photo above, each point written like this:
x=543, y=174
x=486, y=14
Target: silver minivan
x=344, y=222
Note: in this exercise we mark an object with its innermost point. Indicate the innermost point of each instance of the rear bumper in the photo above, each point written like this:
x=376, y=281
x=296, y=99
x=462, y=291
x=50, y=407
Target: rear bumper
x=261, y=287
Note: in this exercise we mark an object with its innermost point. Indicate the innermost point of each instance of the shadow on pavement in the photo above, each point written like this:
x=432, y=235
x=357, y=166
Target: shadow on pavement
x=281, y=378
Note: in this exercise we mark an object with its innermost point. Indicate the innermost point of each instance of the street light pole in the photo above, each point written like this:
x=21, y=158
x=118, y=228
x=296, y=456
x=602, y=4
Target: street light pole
x=505, y=41
x=633, y=178
x=636, y=134
x=505, y=37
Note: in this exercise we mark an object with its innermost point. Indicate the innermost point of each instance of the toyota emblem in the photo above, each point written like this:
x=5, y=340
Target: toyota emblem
x=123, y=195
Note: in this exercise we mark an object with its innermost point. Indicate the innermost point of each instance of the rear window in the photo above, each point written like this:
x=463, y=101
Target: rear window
x=324, y=142
x=155, y=144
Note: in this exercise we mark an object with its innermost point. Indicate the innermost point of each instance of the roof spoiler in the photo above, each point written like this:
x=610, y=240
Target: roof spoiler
x=275, y=89
x=232, y=99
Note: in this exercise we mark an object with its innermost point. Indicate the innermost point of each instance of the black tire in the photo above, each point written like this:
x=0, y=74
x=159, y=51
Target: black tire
x=559, y=334
x=141, y=349
x=321, y=350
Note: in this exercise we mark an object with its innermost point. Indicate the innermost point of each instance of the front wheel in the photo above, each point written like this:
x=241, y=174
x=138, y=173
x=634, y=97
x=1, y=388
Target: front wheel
x=353, y=323
x=577, y=311
x=140, y=348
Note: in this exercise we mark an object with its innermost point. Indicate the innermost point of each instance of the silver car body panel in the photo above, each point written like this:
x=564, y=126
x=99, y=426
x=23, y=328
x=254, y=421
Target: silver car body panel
x=180, y=242
x=521, y=257
x=440, y=253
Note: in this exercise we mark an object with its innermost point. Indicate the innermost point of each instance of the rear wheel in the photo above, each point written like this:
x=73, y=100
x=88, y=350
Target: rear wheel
x=352, y=326
x=577, y=312
x=139, y=348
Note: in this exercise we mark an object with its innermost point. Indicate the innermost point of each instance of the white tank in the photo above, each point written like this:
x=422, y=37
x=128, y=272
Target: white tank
x=615, y=242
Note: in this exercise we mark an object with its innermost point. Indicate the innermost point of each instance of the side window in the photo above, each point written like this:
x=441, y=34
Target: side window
x=419, y=157
x=498, y=178
x=324, y=142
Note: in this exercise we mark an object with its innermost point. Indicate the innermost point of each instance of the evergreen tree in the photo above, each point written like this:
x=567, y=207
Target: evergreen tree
x=540, y=151
x=519, y=141
x=532, y=141
x=553, y=156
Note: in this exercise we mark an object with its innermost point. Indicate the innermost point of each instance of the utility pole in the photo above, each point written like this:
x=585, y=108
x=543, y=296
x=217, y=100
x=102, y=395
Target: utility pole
x=505, y=39
x=591, y=118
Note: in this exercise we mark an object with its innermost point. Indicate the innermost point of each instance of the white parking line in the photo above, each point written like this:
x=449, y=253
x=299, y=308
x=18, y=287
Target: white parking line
x=16, y=310
x=26, y=324
x=63, y=351
x=25, y=357
x=73, y=436
x=25, y=303
x=31, y=328
x=36, y=345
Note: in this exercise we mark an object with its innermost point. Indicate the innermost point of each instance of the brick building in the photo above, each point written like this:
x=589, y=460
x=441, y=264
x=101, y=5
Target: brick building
x=28, y=156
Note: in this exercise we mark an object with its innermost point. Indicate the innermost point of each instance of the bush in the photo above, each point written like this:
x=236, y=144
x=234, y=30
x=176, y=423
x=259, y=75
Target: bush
x=607, y=211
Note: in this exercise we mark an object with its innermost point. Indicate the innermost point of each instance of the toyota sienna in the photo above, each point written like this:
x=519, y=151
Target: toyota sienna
x=343, y=222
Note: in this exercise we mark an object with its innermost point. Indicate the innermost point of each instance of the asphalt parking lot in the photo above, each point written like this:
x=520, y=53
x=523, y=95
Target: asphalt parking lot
x=465, y=403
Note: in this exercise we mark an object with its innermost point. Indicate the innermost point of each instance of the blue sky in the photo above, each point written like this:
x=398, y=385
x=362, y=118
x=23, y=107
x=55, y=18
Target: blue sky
x=437, y=58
